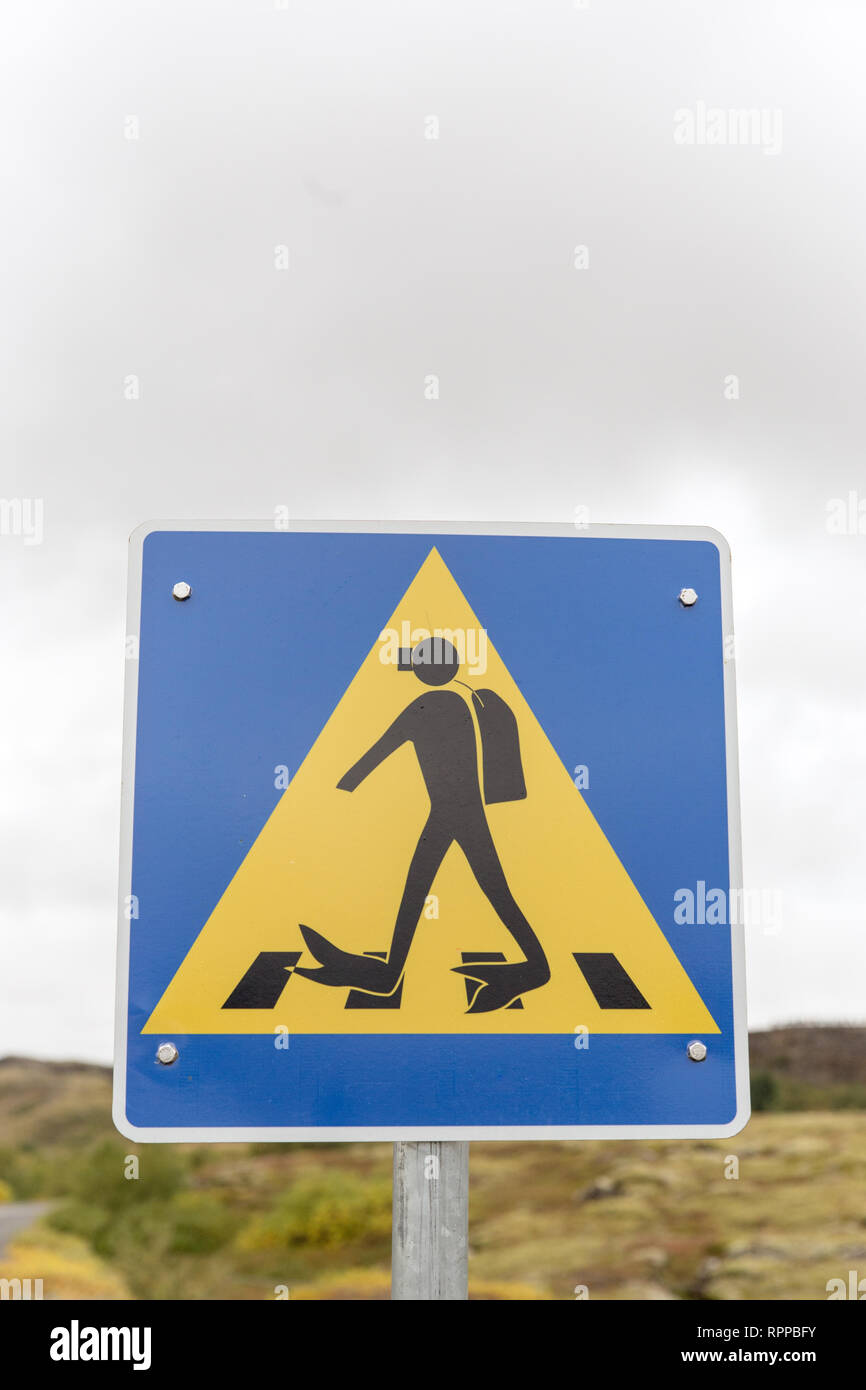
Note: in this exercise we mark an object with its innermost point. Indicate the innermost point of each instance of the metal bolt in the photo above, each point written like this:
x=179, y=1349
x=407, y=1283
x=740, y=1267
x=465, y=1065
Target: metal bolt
x=181, y=590
x=697, y=1051
x=166, y=1053
x=687, y=597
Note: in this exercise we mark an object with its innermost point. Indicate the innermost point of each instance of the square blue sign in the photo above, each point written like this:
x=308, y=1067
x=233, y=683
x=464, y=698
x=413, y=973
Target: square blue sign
x=513, y=909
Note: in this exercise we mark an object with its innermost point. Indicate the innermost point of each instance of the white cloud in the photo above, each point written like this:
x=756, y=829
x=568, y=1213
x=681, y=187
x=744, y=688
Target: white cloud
x=559, y=387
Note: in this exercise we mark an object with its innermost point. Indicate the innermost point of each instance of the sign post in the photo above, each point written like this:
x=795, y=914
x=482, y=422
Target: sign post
x=429, y=1243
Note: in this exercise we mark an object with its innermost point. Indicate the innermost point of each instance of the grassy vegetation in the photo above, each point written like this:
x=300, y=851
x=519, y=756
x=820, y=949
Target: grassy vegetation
x=67, y=1267
x=642, y=1220
x=773, y=1092
x=773, y=1213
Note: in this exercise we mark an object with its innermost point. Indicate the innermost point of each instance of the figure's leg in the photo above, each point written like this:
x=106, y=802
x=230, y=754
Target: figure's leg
x=429, y=853
x=477, y=844
x=499, y=983
x=344, y=968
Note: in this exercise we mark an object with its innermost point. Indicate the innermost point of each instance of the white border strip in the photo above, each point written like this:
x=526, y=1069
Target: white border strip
x=339, y=1134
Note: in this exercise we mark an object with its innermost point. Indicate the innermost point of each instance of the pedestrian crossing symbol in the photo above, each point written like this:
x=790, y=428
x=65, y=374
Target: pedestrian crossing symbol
x=431, y=868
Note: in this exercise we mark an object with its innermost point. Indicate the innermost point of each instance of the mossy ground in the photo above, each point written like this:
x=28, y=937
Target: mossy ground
x=645, y=1220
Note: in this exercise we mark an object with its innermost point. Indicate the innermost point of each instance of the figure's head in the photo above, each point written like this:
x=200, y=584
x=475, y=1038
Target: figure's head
x=434, y=661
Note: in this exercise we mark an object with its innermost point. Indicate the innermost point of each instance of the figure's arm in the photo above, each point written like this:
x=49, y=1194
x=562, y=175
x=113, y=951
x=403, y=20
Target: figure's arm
x=391, y=740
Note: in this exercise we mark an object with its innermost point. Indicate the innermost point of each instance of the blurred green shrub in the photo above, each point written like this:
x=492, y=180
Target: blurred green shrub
x=332, y=1209
x=765, y=1091
x=100, y=1178
x=27, y=1173
x=772, y=1092
x=138, y=1222
x=200, y=1223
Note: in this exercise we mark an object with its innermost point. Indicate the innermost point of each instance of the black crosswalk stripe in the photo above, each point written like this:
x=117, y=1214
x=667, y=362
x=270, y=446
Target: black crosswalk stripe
x=611, y=985
x=264, y=982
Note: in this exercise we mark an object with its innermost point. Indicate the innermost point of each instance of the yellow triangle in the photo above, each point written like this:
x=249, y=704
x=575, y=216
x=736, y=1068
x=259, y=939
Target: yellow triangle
x=337, y=862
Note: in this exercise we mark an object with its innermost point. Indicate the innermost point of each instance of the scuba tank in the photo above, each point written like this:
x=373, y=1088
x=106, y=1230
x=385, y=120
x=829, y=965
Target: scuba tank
x=500, y=748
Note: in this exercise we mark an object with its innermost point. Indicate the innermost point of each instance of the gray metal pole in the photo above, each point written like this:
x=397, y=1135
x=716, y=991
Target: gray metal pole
x=429, y=1243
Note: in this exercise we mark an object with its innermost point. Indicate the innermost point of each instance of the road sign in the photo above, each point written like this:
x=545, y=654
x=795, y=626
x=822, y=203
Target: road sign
x=429, y=831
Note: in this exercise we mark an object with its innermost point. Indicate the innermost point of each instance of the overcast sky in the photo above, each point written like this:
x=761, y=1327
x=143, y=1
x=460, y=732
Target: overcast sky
x=701, y=361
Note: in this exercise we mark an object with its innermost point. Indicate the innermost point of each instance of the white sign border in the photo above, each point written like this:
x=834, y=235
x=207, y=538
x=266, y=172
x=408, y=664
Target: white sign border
x=391, y=1134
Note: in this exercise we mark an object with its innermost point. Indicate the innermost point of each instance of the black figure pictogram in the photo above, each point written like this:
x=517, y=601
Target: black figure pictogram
x=441, y=727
